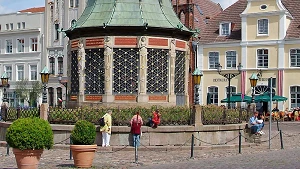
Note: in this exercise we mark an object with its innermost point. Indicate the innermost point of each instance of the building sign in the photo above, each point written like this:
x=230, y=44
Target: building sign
x=220, y=80
x=263, y=79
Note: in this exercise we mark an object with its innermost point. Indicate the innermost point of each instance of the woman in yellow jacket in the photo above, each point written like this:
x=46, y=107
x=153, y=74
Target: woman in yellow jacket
x=106, y=129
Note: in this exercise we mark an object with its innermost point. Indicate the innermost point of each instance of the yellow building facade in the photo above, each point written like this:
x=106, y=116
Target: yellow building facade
x=262, y=35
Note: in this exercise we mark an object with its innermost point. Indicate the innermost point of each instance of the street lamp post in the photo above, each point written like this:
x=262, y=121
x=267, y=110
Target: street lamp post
x=253, y=81
x=197, y=74
x=4, y=106
x=44, y=106
x=65, y=84
x=45, y=78
x=229, y=76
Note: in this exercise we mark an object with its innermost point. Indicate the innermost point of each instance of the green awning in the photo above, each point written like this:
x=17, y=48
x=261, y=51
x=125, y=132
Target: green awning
x=265, y=97
x=237, y=98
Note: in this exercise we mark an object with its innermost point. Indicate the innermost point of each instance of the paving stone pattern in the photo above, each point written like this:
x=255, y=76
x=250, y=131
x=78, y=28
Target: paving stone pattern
x=255, y=156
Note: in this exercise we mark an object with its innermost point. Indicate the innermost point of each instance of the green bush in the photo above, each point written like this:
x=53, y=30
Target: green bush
x=30, y=133
x=84, y=133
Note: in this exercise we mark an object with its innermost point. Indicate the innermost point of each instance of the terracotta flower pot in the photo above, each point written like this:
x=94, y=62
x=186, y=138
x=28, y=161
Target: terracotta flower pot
x=27, y=159
x=83, y=155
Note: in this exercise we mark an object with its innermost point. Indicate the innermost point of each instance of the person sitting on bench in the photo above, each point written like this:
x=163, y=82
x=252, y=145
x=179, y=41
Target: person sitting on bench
x=256, y=124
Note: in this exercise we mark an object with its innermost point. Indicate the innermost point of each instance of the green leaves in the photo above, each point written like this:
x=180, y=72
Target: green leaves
x=30, y=133
x=84, y=133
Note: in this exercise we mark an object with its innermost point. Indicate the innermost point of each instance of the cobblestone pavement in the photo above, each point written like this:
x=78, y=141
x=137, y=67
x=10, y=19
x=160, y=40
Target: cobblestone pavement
x=256, y=156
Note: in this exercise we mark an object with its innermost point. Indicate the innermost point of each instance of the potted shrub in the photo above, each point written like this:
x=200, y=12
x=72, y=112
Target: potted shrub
x=83, y=143
x=29, y=137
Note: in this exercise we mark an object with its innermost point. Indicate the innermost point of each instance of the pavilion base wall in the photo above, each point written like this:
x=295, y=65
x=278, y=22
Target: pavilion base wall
x=161, y=136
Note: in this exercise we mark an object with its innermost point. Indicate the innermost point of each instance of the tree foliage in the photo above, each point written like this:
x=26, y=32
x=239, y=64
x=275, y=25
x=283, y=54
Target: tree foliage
x=30, y=91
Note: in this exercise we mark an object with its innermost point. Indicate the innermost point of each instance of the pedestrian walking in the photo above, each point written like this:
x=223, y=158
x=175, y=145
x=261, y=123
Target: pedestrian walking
x=106, y=129
x=136, y=123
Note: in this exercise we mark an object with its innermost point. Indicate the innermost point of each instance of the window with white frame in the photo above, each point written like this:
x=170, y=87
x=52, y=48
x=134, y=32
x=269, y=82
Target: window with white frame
x=262, y=58
x=23, y=25
x=33, y=72
x=9, y=46
x=8, y=70
x=18, y=25
x=20, y=72
x=0, y=46
x=60, y=64
x=20, y=45
x=56, y=27
x=214, y=94
x=231, y=59
x=11, y=26
x=225, y=29
x=232, y=91
x=295, y=96
x=52, y=65
x=7, y=26
x=213, y=60
x=71, y=3
x=263, y=26
x=33, y=44
x=295, y=57
x=76, y=3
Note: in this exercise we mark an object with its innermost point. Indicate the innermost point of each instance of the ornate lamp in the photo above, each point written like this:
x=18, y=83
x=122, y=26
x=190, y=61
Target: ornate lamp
x=253, y=81
x=4, y=81
x=219, y=68
x=197, y=74
x=240, y=67
x=45, y=78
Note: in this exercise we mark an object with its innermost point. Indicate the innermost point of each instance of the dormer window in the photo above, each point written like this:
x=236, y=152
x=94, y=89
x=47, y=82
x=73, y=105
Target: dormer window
x=225, y=29
x=263, y=26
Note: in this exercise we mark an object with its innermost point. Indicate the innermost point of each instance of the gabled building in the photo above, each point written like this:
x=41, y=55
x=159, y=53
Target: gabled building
x=21, y=48
x=262, y=35
x=59, y=14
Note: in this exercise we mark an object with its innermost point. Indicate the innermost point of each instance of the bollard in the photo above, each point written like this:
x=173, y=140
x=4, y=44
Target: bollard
x=7, y=149
x=240, y=142
x=277, y=125
x=281, y=141
x=135, y=151
x=192, y=146
x=70, y=149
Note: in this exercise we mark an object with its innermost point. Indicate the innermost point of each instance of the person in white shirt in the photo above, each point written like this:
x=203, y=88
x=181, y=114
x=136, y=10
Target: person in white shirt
x=256, y=125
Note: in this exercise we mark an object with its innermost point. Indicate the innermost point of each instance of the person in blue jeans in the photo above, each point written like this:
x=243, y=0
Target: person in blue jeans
x=136, y=123
x=256, y=125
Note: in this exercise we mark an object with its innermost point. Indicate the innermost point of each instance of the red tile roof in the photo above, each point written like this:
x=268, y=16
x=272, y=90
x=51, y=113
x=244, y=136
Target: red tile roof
x=34, y=10
x=232, y=14
x=208, y=8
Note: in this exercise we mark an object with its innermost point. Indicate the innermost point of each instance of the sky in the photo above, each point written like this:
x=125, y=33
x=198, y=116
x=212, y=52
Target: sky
x=9, y=6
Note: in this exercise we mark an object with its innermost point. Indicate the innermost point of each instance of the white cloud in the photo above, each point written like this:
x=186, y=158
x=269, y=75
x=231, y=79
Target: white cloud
x=225, y=3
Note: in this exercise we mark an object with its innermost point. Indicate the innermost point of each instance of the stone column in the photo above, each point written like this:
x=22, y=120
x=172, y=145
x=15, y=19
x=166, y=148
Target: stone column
x=81, y=68
x=44, y=111
x=108, y=62
x=172, y=53
x=187, y=65
x=198, y=116
x=143, y=97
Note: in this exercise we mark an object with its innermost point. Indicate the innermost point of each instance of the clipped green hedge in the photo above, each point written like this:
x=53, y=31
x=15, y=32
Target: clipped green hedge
x=30, y=133
x=120, y=117
x=84, y=133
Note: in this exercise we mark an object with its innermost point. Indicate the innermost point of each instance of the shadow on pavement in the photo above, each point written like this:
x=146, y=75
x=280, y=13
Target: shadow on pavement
x=66, y=165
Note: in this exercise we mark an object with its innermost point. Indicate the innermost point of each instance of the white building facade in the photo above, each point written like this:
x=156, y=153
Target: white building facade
x=21, y=48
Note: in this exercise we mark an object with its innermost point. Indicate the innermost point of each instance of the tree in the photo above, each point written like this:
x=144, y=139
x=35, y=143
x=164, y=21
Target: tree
x=30, y=91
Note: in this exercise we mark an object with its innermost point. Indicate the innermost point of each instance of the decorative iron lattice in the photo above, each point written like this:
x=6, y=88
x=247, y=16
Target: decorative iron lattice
x=180, y=72
x=94, y=71
x=125, y=71
x=158, y=71
x=74, y=73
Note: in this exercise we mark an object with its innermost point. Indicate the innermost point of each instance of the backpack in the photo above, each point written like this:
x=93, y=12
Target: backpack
x=101, y=122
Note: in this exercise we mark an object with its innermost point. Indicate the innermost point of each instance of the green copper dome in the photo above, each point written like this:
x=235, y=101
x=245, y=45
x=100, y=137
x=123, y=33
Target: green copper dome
x=138, y=14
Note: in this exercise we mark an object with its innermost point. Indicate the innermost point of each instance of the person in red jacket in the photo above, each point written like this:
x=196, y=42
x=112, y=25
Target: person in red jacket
x=155, y=119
